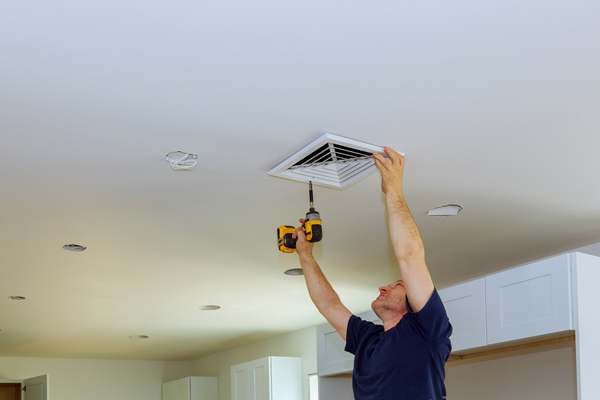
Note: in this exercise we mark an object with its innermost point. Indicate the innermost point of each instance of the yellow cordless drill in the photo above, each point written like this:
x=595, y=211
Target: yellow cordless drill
x=312, y=227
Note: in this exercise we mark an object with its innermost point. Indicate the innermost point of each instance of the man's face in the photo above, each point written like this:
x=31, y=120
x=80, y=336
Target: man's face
x=392, y=298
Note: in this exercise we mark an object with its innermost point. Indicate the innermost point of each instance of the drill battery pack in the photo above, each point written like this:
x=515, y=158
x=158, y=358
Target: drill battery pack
x=285, y=242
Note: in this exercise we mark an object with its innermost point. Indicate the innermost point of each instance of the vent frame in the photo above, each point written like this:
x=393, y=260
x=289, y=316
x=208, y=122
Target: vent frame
x=330, y=171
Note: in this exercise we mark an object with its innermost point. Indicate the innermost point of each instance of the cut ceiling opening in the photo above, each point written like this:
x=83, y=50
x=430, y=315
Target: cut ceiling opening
x=331, y=161
x=181, y=161
x=446, y=210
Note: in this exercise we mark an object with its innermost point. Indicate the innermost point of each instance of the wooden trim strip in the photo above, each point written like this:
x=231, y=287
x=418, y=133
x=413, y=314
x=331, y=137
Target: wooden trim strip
x=512, y=348
x=502, y=350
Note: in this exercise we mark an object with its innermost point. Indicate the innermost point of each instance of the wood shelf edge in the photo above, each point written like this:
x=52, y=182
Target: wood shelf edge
x=542, y=343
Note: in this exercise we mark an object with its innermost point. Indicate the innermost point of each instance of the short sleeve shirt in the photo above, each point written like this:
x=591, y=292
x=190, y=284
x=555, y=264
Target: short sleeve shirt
x=404, y=363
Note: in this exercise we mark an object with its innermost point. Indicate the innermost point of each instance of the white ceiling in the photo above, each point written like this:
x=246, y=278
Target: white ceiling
x=494, y=103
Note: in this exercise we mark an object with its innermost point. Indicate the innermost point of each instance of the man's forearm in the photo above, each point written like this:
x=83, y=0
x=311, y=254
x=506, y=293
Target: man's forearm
x=323, y=296
x=404, y=233
x=319, y=289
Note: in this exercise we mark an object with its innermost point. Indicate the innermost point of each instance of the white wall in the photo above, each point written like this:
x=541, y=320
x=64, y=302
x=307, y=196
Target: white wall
x=542, y=373
x=301, y=343
x=534, y=374
x=548, y=373
x=75, y=379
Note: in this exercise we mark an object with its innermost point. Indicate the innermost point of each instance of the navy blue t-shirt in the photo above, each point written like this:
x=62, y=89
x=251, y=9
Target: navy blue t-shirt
x=404, y=363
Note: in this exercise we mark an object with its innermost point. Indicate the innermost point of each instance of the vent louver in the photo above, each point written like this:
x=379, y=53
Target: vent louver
x=332, y=161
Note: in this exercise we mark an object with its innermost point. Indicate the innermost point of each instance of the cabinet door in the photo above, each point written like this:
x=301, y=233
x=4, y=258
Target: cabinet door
x=259, y=379
x=465, y=306
x=332, y=359
x=176, y=390
x=528, y=301
x=239, y=382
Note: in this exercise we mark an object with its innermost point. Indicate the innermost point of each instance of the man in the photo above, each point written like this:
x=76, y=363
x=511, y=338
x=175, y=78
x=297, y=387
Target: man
x=404, y=359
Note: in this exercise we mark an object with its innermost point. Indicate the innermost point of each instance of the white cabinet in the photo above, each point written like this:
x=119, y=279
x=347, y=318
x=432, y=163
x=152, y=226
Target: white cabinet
x=524, y=302
x=269, y=378
x=528, y=301
x=239, y=382
x=332, y=359
x=465, y=306
x=586, y=275
x=191, y=388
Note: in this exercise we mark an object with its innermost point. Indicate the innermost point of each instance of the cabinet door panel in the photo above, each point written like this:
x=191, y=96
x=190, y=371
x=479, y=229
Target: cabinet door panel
x=465, y=306
x=259, y=379
x=331, y=357
x=528, y=301
x=176, y=390
x=239, y=382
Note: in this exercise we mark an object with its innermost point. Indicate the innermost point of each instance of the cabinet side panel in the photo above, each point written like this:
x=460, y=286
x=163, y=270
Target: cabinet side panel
x=335, y=388
x=286, y=378
x=204, y=388
x=587, y=324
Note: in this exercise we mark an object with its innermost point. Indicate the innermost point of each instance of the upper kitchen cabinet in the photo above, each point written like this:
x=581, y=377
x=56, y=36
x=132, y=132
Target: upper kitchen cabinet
x=191, y=388
x=465, y=306
x=332, y=359
x=528, y=301
x=269, y=378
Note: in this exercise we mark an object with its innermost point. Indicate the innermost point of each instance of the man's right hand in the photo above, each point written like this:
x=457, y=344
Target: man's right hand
x=303, y=246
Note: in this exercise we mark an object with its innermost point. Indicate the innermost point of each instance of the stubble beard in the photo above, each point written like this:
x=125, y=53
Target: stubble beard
x=386, y=308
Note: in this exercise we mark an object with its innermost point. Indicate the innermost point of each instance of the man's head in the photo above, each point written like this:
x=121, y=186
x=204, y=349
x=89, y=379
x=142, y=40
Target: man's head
x=391, y=303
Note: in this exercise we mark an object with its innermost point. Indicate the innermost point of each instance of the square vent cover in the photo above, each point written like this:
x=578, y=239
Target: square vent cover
x=332, y=161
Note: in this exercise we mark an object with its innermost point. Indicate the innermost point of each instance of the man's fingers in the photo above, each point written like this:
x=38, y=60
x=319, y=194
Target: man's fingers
x=397, y=160
x=394, y=156
x=298, y=233
x=381, y=162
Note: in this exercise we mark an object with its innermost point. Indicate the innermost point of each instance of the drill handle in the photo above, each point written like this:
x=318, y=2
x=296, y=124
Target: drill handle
x=313, y=230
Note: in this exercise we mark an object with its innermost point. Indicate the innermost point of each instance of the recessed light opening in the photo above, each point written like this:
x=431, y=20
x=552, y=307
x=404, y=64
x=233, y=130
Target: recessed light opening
x=294, y=271
x=209, y=307
x=139, y=337
x=74, y=247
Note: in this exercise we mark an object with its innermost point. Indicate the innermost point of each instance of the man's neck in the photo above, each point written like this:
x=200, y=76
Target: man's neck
x=390, y=321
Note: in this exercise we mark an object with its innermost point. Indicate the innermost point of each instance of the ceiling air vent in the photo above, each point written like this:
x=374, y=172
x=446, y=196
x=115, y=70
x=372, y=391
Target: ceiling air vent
x=332, y=161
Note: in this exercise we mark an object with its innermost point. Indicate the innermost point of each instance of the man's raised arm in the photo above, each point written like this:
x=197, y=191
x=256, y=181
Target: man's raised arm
x=321, y=293
x=404, y=234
